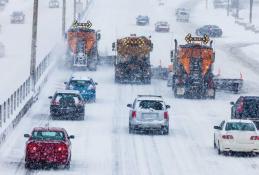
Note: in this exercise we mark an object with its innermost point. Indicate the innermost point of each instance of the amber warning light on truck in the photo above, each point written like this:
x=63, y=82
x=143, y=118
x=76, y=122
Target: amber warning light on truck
x=87, y=25
x=189, y=38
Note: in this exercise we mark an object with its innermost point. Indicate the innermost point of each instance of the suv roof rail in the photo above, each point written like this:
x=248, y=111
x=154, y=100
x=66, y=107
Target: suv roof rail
x=150, y=96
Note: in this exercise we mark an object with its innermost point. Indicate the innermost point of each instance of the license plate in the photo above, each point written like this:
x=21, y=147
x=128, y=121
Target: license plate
x=149, y=116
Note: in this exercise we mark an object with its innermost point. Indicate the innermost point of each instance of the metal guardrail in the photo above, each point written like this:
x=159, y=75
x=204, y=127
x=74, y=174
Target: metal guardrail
x=23, y=92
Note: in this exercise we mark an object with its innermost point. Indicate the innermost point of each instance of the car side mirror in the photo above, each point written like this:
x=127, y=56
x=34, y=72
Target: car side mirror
x=172, y=54
x=217, y=127
x=26, y=135
x=167, y=106
x=71, y=137
x=96, y=83
x=50, y=97
x=232, y=103
x=129, y=105
x=113, y=46
x=98, y=36
x=65, y=83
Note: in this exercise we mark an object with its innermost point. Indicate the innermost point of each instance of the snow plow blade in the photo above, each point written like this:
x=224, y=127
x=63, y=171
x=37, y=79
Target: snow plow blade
x=106, y=60
x=232, y=85
x=159, y=73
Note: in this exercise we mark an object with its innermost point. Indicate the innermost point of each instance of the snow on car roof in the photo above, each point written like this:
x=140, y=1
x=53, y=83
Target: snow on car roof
x=48, y=129
x=239, y=120
x=150, y=97
x=68, y=92
x=78, y=77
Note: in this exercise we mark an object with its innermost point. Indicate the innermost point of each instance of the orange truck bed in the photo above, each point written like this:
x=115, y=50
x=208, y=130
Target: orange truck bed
x=206, y=53
x=89, y=37
x=133, y=46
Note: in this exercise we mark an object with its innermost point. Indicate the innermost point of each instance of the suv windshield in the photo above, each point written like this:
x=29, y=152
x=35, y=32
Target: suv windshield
x=239, y=126
x=251, y=108
x=48, y=135
x=151, y=104
x=79, y=83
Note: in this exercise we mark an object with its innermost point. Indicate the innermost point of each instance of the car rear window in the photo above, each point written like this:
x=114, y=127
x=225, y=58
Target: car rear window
x=66, y=97
x=151, y=104
x=251, y=108
x=80, y=83
x=239, y=126
x=48, y=135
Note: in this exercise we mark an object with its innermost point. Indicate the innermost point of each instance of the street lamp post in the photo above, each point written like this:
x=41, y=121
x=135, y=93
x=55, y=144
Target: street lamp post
x=34, y=44
x=64, y=18
x=251, y=11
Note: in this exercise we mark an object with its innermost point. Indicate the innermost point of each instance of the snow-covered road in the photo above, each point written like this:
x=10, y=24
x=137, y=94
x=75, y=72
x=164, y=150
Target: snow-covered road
x=102, y=144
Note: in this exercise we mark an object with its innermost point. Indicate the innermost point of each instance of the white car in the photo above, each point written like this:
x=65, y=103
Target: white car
x=162, y=26
x=236, y=136
x=149, y=112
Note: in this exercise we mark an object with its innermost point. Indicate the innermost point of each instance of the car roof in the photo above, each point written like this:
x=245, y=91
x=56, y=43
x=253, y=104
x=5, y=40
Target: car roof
x=150, y=97
x=162, y=22
x=48, y=129
x=239, y=120
x=212, y=26
x=250, y=97
x=80, y=77
x=142, y=16
x=67, y=92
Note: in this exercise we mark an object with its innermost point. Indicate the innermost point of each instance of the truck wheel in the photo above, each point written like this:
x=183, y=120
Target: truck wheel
x=166, y=130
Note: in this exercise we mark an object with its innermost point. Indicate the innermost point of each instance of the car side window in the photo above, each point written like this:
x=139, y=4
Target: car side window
x=222, y=124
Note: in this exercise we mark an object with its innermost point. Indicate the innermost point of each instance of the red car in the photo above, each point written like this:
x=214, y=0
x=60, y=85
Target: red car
x=48, y=146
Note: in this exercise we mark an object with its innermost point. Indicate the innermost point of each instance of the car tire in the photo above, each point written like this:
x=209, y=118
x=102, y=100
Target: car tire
x=130, y=129
x=166, y=130
x=81, y=116
x=214, y=143
x=28, y=165
x=67, y=166
x=219, y=151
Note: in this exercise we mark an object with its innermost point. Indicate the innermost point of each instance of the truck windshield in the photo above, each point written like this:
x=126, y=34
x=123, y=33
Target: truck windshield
x=48, y=135
x=239, y=126
x=151, y=104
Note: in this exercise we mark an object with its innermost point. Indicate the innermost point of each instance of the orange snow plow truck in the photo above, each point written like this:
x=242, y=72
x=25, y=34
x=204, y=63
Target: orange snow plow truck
x=82, y=49
x=192, y=74
x=132, y=60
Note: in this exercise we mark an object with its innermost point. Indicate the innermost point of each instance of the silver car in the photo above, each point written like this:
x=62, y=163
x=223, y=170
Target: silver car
x=149, y=112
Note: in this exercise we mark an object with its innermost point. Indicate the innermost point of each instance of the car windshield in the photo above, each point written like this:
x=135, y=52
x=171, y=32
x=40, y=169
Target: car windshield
x=48, y=135
x=80, y=84
x=151, y=104
x=251, y=108
x=239, y=126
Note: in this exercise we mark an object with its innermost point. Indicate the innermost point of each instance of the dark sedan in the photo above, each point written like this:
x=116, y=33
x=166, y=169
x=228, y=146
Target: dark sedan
x=210, y=30
x=142, y=20
x=67, y=103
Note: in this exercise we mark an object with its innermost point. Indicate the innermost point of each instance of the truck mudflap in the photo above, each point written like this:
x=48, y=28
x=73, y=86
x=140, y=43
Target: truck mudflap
x=231, y=85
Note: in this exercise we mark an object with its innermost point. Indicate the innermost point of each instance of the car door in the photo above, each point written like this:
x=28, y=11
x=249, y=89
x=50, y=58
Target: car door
x=218, y=132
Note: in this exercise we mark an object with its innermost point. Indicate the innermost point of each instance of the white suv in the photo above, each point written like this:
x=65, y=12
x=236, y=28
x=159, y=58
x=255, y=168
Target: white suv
x=149, y=112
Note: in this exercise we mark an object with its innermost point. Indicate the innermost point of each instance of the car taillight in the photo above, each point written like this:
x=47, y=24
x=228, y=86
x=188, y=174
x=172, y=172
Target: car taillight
x=227, y=137
x=166, y=116
x=54, y=102
x=240, y=107
x=32, y=147
x=133, y=114
x=62, y=148
x=254, y=138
